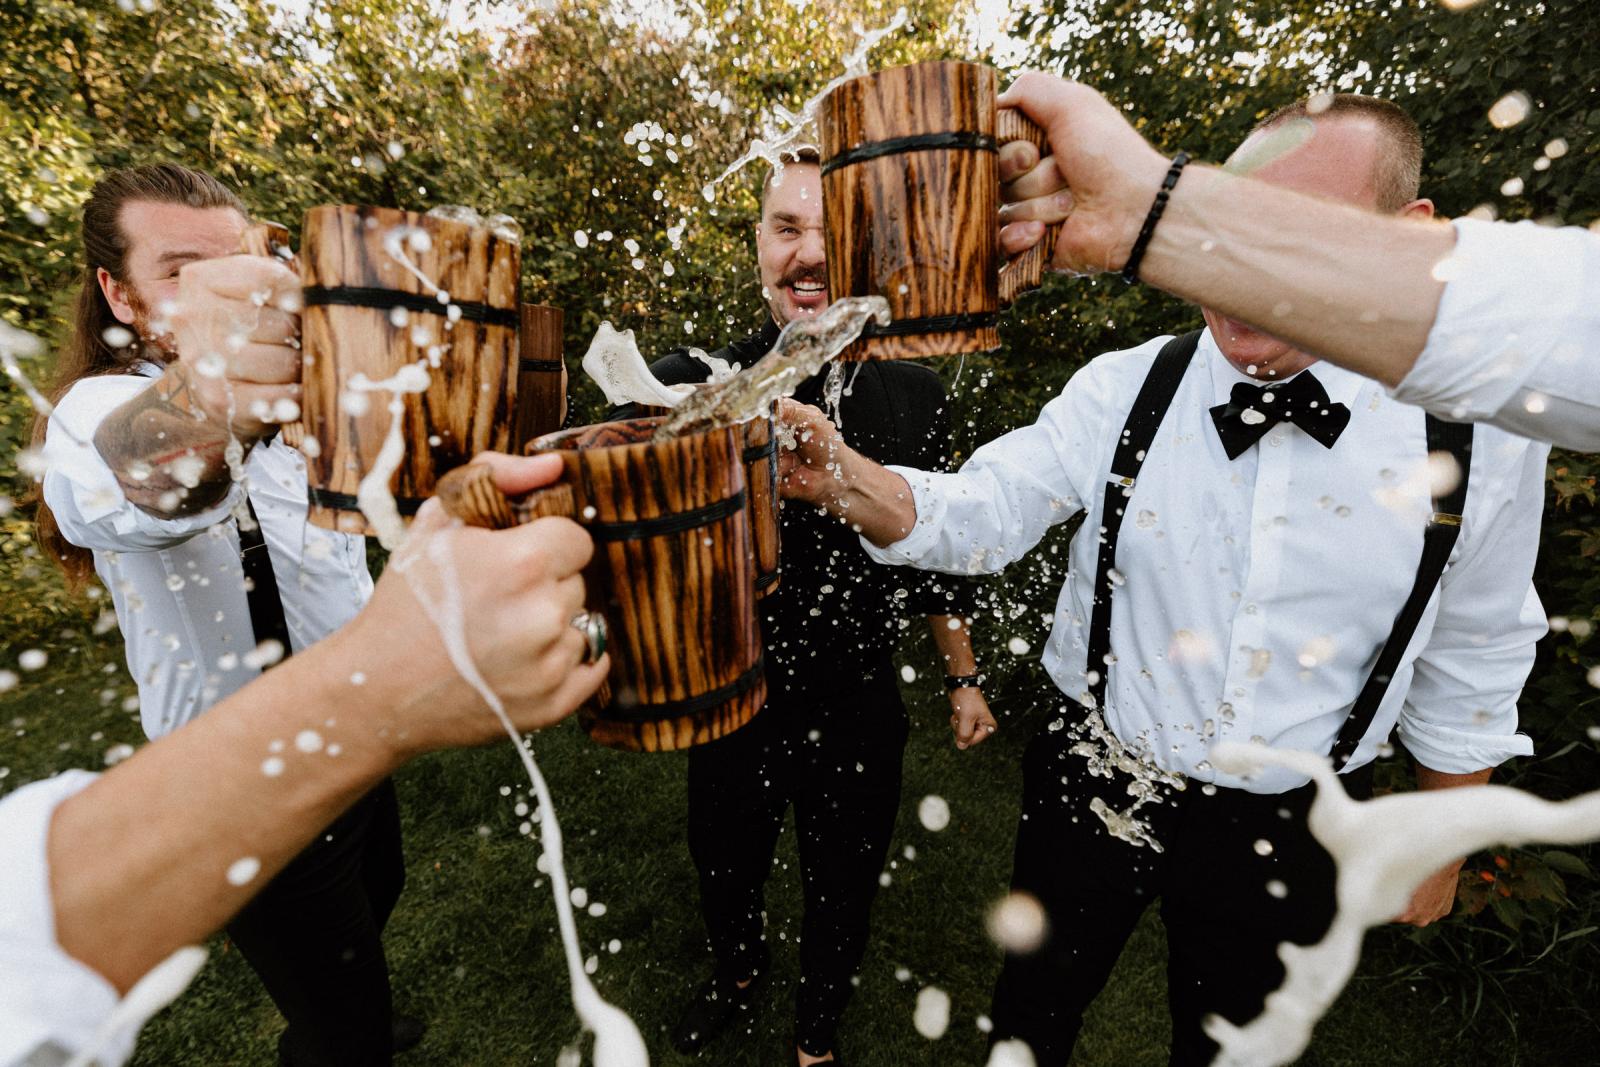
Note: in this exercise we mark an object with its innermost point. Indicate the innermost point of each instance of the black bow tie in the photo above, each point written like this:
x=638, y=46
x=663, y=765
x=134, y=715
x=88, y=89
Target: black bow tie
x=1252, y=410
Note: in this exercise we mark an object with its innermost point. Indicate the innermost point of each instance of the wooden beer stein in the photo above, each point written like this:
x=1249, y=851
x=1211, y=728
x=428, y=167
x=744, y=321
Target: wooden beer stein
x=541, y=374
x=759, y=450
x=911, y=201
x=387, y=290
x=672, y=574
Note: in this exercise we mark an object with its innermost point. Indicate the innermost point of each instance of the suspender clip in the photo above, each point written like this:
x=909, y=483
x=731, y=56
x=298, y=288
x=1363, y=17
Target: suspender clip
x=1443, y=518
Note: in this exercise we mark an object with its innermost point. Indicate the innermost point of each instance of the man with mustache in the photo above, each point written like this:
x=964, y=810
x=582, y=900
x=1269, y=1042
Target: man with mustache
x=1270, y=549
x=166, y=478
x=831, y=736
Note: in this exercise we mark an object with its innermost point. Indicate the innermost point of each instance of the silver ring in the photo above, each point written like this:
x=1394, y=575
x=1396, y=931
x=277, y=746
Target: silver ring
x=592, y=626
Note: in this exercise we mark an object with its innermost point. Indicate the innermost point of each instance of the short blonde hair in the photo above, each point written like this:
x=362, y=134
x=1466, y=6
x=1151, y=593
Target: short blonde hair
x=1398, y=167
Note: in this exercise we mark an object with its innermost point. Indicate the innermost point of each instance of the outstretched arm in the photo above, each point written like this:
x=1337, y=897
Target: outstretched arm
x=236, y=332
x=822, y=470
x=161, y=850
x=1354, y=287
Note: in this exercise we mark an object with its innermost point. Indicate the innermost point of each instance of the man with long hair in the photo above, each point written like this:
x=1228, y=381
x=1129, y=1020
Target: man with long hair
x=164, y=475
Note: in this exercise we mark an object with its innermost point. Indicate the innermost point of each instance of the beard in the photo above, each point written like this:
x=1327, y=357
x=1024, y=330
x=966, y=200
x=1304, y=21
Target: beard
x=153, y=340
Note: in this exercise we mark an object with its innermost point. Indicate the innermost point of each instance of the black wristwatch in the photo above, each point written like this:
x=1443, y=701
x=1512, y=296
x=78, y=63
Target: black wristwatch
x=953, y=682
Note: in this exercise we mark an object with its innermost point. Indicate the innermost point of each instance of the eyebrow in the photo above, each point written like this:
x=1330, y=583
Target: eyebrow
x=784, y=216
x=178, y=256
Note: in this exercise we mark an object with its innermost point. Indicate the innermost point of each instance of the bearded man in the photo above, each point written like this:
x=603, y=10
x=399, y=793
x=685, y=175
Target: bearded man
x=165, y=477
x=831, y=737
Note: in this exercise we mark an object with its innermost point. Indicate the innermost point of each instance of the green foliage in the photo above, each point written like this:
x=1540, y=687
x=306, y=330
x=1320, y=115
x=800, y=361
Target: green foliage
x=570, y=122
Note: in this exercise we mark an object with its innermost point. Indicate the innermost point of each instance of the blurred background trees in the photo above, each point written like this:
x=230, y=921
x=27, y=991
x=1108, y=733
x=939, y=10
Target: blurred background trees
x=596, y=123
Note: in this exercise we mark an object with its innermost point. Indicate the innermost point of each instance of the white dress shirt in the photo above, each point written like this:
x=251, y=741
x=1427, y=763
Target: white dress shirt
x=1259, y=590
x=1516, y=341
x=51, y=1005
x=178, y=584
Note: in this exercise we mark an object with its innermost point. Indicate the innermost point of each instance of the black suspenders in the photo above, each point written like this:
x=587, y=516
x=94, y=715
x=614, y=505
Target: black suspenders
x=261, y=585
x=1155, y=396
x=1444, y=526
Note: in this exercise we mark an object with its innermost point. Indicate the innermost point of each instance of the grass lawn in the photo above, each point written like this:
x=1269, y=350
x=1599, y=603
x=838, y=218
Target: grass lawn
x=473, y=945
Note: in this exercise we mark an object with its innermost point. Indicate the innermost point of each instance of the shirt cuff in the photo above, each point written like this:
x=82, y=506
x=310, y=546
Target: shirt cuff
x=1449, y=750
x=46, y=996
x=1488, y=337
x=930, y=505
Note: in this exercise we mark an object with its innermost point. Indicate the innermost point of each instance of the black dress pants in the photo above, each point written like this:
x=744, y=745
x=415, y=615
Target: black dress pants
x=313, y=935
x=1240, y=874
x=838, y=761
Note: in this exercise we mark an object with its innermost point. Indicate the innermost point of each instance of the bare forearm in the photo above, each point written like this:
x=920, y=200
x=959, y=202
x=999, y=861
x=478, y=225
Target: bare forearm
x=875, y=501
x=1353, y=287
x=954, y=642
x=145, y=860
x=168, y=457
x=1428, y=778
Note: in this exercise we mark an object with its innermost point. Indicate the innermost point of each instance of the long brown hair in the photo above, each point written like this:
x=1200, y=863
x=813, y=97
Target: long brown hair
x=87, y=353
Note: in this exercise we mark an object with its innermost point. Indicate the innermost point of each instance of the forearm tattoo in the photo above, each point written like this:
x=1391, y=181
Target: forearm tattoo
x=169, y=458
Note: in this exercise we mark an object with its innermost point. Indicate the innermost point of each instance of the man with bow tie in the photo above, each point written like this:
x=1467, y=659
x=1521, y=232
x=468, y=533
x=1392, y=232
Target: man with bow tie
x=1270, y=550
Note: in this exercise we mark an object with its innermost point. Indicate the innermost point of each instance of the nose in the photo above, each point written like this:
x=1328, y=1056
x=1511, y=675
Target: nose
x=811, y=252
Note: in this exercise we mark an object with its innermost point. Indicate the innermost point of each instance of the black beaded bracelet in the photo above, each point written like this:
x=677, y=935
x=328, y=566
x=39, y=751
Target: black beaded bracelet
x=962, y=681
x=1130, y=270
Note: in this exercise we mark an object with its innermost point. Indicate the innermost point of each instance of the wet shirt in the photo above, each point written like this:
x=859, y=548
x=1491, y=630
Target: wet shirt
x=177, y=584
x=1516, y=337
x=1256, y=592
x=836, y=615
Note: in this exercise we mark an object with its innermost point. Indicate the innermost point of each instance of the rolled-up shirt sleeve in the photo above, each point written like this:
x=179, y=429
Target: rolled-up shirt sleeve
x=1516, y=340
x=993, y=510
x=1460, y=713
x=82, y=491
x=51, y=1005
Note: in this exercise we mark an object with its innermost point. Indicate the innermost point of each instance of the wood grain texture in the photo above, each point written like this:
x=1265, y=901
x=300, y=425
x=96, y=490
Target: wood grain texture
x=469, y=494
x=539, y=391
x=761, y=477
x=920, y=226
x=470, y=403
x=680, y=604
x=1027, y=270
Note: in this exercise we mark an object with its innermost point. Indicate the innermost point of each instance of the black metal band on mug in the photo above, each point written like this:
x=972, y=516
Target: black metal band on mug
x=327, y=498
x=678, y=522
x=756, y=453
x=539, y=366
x=920, y=142
x=672, y=709
x=769, y=579
x=979, y=320
x=387, y=299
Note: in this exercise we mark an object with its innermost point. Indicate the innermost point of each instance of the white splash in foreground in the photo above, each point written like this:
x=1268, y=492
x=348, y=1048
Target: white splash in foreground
x=617, y=1042
x=617, y=367
x=164, y=983
x=1384, y=849
x=374, y=496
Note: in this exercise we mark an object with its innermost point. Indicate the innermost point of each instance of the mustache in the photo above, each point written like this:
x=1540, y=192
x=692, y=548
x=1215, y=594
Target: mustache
x=808, y=274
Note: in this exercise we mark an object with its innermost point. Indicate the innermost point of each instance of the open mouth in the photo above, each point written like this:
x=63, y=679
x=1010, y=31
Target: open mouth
x=809, y=293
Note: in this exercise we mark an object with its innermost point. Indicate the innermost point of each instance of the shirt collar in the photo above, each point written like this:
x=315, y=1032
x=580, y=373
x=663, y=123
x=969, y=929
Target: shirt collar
x=1343, y=387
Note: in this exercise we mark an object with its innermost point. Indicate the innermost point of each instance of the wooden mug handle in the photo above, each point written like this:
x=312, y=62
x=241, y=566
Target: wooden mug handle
x=268, y=239
x=469, y=494
x=1027, y=270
